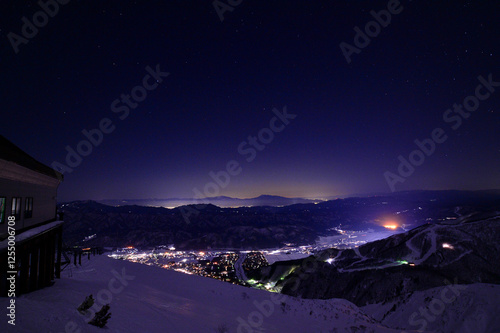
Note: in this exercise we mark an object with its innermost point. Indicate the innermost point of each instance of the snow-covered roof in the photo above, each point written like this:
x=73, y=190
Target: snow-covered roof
x=30, y=233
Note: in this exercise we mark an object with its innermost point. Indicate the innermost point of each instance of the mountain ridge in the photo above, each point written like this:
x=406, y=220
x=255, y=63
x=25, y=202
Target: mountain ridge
x=432, y=255
x=205, y=225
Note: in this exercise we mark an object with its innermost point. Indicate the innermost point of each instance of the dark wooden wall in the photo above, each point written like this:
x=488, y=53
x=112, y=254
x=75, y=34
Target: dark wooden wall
x=38, y=262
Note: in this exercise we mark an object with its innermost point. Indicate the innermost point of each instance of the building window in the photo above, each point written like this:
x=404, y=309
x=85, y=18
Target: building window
x=16, y=208
x=28, y=208
x=3, y=200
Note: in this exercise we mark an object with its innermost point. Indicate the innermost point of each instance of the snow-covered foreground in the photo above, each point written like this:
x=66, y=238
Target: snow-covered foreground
x=150, y=299
x=471, y=308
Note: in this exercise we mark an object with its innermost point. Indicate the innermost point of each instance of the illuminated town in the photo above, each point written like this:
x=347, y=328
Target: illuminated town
x=232, y=265
x=219, y=264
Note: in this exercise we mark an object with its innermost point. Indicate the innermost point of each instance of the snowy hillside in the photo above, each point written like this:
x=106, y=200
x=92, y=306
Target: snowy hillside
x=464, y=251
x=451, y=309
x=151, y=299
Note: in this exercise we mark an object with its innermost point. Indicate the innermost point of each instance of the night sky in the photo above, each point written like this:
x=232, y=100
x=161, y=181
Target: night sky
x=225, y=78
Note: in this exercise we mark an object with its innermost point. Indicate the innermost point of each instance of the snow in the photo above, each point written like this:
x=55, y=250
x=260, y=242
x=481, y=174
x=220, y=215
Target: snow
x=362, y=237
x=30, y=233
x=150, y=299
x=416, y=255
x=450, y=309
x=363, y=258
x=238, y=267
x=345, y=270
x=272, y=258
x=431, y=234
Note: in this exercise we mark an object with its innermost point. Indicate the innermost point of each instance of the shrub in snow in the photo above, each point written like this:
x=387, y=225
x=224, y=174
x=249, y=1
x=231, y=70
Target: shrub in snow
x=222, y=328
x=283, y=307
x=89, y=301
x=101, y=317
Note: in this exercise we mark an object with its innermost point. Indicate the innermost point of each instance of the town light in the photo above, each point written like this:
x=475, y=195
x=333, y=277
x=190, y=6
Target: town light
x=391, y=226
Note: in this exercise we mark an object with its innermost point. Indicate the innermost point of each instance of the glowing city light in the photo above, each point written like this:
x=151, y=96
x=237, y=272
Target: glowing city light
x=391, y=226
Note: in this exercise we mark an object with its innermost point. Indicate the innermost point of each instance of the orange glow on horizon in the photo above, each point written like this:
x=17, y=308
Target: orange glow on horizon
x=391, y=226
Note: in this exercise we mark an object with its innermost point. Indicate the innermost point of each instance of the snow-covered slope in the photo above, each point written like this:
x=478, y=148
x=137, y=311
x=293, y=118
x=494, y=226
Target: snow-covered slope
x=465, y=251
x=151, y=299
x=452, y=309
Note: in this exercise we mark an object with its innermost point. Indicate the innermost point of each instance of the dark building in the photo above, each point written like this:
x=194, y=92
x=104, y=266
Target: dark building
x=28, y=191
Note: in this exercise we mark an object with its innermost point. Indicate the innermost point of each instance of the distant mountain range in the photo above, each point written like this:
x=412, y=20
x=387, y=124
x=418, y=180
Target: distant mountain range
x=220, y=201
x=267, y=200
x=209, y=226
